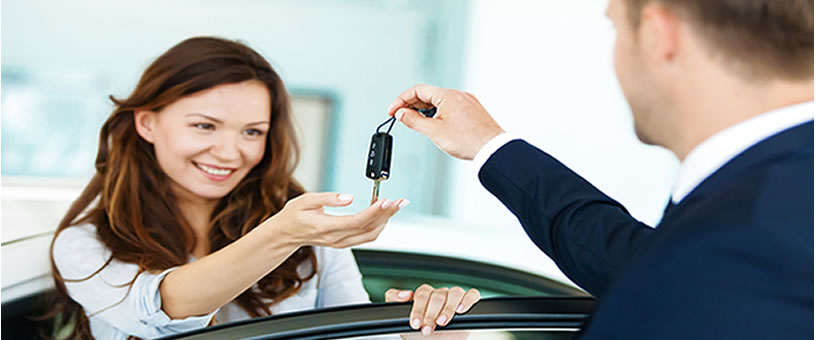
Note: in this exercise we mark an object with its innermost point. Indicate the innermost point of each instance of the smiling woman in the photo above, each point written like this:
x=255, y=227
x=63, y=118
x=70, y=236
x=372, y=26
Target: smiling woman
x=193, y=216
x=208, y=142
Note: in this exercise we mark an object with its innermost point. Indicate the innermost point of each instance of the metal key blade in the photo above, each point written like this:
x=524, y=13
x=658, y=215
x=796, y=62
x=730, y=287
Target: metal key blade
x=376, y=190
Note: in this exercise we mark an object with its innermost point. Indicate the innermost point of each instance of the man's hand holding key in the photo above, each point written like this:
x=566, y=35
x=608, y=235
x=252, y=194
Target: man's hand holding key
x=461, y=126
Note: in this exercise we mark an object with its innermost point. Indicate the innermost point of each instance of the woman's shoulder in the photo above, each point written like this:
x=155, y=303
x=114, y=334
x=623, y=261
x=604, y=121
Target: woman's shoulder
x=77, y=236
x=77, y=249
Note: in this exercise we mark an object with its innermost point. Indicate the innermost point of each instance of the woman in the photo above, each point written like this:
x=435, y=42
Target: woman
x=193, y=216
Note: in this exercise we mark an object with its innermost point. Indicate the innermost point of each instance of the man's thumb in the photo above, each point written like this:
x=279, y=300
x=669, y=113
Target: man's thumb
x=413, y=120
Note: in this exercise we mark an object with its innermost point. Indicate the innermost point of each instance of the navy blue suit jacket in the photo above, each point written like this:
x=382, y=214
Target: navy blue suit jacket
x=733, y=260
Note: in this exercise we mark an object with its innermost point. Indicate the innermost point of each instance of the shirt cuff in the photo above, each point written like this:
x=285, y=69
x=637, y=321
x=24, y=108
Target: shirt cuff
x=489, y=149
x=156, y=317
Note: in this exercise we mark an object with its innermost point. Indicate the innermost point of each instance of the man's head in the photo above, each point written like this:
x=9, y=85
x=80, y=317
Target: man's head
x=673, y=57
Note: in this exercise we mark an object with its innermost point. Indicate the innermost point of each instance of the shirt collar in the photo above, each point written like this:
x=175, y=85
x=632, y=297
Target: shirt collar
x=717, y=150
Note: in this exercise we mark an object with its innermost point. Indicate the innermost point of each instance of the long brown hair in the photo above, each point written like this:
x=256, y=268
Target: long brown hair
x=129, y=198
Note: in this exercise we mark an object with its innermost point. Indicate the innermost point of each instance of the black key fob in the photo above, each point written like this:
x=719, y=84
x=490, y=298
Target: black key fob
x=428, y=112
x=380, y=156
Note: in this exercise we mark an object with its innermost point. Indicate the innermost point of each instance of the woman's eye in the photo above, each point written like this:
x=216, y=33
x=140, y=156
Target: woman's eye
x=203, y=126
x=253, y=132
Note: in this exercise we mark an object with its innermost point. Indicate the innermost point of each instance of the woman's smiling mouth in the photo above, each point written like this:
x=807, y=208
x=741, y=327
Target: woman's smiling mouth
x=214, y=172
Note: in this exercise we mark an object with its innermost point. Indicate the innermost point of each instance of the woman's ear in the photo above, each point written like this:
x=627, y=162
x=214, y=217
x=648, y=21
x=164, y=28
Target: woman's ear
x=145, y=122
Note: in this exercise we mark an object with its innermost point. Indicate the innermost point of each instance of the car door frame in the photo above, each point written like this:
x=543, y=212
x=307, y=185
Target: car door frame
x=519, y=313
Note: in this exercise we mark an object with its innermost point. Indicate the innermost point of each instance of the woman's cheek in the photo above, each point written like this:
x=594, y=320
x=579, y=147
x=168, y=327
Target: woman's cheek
x=254, y=153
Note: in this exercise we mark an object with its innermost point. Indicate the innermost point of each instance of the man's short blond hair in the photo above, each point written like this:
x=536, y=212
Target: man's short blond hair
x=764, y=38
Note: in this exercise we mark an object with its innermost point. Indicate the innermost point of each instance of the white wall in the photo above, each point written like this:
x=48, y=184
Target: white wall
x=360, y=53
x=544, y=69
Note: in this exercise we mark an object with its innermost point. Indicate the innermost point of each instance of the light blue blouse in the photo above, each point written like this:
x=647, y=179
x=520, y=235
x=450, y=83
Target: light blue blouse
x=115, y=312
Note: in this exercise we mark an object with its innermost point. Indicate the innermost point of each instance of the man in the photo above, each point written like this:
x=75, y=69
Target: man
x=727, y=86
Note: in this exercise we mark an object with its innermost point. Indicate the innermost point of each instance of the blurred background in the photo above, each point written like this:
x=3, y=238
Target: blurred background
x=544, y=69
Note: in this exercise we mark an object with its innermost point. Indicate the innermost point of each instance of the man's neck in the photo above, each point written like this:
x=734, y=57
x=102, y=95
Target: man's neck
x=715, y=111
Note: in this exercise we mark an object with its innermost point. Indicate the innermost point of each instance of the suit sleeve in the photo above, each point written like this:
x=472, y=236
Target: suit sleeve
x=589, y=235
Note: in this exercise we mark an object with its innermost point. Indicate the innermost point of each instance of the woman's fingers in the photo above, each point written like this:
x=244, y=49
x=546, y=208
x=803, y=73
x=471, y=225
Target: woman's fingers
x=471, y=297
x=437, y=299
x=453, y=300
x=396, y=295
x=377, y=210
x=436, y=307
x=421, y=297
x=370, y=231
x=315, y=200
x=303, y=219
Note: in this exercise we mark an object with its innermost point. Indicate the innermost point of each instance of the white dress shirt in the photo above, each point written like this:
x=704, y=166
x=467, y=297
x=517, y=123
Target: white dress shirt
x=116, y=310
x=710, y=155
x=718, y=149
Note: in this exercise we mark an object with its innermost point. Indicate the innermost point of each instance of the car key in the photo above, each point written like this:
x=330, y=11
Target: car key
x=380, y=158
x=380, y=153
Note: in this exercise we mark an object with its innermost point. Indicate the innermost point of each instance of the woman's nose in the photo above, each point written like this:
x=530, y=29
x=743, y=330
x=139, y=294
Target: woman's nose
x=227, y=148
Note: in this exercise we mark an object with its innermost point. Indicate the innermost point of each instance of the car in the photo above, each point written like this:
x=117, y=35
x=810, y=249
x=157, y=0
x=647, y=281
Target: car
x=509, y=294
x=494, y=318
x=382, y=269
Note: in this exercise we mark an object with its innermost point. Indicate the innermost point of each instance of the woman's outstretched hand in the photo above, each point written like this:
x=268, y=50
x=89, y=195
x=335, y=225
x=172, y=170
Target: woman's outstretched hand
x=304, y=222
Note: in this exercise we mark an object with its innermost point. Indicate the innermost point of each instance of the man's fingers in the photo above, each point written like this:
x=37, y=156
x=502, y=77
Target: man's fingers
x=421, y=93
x=416, y=121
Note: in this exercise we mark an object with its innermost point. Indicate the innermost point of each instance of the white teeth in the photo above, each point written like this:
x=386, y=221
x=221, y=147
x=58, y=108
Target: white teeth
x=214, y=171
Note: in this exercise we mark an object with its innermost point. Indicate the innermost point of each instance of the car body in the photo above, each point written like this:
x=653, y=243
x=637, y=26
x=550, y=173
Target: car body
x=509, y=294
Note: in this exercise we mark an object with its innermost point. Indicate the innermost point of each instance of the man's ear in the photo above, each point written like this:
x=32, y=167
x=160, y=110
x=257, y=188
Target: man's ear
x=659, y=33
x=145, y=123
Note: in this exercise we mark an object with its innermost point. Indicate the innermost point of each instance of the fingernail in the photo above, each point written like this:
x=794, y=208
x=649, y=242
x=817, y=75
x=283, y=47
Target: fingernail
x=404, y=294
x=460, y=308
x=416, y=323
x=441, y=320
x=385, y=203
x=399, y=114
x=404, y=202
x=344, y=197
x=427, y=330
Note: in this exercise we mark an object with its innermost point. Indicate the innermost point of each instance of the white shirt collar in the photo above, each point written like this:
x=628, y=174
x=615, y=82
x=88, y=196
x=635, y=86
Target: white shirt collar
x=720, y=148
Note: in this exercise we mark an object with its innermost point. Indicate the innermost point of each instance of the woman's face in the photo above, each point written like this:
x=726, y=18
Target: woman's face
x=207, y=142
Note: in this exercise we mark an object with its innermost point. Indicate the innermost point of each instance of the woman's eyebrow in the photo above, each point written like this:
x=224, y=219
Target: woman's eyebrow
x=259, y=122
x=204, y=116
x=221, y=122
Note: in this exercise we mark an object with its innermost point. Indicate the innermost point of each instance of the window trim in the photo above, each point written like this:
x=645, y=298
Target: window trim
x=553, y=313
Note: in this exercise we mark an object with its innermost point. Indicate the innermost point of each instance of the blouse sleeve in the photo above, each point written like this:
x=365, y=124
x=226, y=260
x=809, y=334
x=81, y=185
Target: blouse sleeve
x=134, y=309
x=339, y=280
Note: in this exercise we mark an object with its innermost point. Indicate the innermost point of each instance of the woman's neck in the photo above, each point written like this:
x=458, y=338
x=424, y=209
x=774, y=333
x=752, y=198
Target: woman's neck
x=196, y=212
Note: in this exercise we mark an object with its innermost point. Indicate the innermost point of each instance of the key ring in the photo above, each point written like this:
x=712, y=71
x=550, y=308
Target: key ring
x=390, y=120
x=426, y=112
